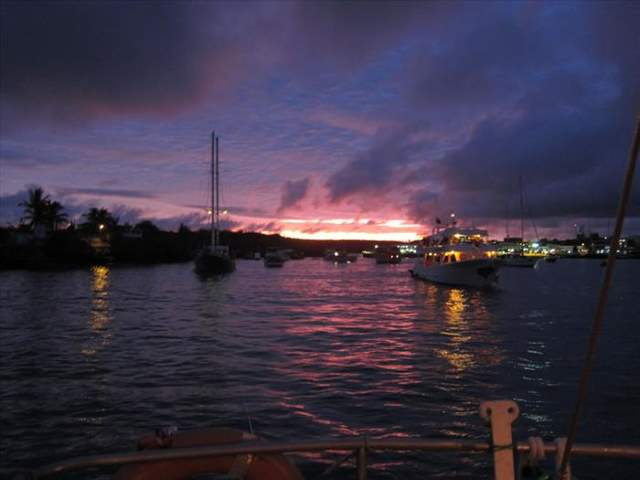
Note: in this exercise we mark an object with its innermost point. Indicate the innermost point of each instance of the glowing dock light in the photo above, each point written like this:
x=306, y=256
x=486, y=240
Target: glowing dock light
x=101, y=227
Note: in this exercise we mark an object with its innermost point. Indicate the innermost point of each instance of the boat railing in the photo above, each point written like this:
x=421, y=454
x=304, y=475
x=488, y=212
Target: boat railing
x=499, y=414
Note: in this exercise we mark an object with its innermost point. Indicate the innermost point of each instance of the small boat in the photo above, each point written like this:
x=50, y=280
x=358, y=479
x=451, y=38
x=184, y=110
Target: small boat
x=336, y=256
x=458, y=256
x=388, y=255
x=551, y=258
x=274, y=259
x=519, y=261
x=215, y=258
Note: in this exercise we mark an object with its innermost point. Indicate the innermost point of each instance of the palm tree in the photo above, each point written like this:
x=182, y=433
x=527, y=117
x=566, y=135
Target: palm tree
x=99, y=220
x=147, y=227
x=55, y=215
x=35, y=208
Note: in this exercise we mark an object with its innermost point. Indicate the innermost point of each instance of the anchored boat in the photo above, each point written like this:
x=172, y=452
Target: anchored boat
x=458, y=256
x=389, y=255
x=519, y=261
x=215, y=259
x=274, y=259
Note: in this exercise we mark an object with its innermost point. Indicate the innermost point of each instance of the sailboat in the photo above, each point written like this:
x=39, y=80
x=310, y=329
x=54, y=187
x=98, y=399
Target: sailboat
x=519, y=259
x=215, y=259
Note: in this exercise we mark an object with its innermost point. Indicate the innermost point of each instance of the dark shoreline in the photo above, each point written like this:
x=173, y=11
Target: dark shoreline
x=67, y=250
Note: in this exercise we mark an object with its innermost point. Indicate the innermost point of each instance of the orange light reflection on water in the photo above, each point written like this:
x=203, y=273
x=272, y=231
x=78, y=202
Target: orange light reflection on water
x=100, y=314
x=466, y=319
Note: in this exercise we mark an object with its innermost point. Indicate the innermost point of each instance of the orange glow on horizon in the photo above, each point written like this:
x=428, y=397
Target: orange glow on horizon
x=353, y=235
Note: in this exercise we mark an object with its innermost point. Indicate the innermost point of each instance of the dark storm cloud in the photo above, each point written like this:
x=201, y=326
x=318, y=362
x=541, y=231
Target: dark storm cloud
x=346, y=34
x=66, y=59
x=293, y=192
x=374, y=170
x=550, y=97
x=542, y=90
x=570, y=164
x=72, y=61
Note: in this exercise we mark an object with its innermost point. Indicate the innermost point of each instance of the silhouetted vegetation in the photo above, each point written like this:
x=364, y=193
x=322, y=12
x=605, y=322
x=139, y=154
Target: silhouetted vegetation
x=47, y=240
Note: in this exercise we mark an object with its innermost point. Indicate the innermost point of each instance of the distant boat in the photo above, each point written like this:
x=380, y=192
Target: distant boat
x=296, y=255
x=215, y=259
x=388, y=255
x=336, y=256
x=520, y=261
x=458, y=256
x=274, y=259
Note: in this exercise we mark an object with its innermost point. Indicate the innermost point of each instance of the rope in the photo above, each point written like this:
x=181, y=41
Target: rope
x=498, y=448
x=596, y=326
x=536, y=450
x=561, y=473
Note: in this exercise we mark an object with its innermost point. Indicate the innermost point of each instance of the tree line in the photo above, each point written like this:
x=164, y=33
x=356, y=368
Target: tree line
x=41, y=211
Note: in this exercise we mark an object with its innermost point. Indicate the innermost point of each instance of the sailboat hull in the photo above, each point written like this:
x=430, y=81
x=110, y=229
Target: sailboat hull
x=519, y=261
x=208, y=263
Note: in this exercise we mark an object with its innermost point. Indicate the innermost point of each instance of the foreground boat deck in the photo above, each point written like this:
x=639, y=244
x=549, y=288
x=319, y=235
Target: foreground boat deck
x=502, y=449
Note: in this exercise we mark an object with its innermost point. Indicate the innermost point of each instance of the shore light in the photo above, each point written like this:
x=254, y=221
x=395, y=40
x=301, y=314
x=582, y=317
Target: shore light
x=101, y=227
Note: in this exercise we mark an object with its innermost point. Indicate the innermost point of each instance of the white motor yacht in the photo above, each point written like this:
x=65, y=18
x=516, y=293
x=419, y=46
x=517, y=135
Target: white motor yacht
x=458, y=256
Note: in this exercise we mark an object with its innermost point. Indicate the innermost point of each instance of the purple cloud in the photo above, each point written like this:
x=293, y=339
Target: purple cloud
x=293, y=192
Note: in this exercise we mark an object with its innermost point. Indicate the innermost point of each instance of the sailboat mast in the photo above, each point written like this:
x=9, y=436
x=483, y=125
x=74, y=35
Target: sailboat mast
x=217, y=192
x=506, y=221
x=213, y=178
x=521, y=209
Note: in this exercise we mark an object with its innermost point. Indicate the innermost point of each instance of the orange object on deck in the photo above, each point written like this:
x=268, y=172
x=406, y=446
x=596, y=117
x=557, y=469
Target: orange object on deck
x=249, y=467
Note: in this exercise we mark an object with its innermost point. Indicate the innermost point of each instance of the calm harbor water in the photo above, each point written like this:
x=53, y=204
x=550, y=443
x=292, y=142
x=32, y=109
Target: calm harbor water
x=93, y=359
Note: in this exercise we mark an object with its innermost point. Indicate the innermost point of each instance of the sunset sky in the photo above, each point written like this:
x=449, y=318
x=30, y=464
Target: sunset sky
x=337, y=119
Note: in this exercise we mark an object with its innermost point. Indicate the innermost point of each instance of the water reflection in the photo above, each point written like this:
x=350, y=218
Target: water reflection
x=348, y=340
x=312, y=350
x=100, y=315
x=466, y=324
